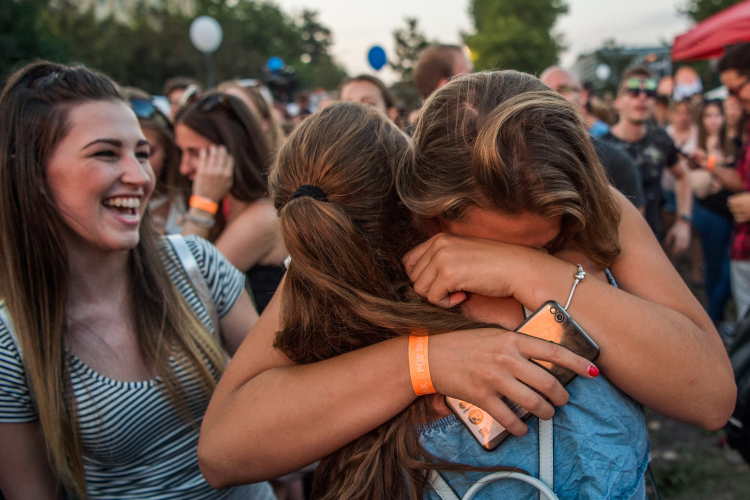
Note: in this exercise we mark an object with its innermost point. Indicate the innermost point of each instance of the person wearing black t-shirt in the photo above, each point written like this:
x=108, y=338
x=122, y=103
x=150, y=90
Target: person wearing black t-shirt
x=621, y=170
x=652, y=150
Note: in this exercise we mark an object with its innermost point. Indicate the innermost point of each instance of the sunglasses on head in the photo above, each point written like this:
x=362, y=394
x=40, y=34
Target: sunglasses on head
x=145, y=109
x=634, y=87
x=212, y=101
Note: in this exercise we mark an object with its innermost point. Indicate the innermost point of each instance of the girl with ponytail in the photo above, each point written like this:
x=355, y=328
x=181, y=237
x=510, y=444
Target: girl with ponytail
x=490, y=210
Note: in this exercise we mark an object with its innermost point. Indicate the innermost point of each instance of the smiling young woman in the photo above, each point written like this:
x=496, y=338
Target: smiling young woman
x=107, y=353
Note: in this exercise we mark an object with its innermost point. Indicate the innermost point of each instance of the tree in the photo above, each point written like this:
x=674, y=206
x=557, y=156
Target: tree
x=409, y=42
x=152, y=43
x=698, y=10
x=515, y=34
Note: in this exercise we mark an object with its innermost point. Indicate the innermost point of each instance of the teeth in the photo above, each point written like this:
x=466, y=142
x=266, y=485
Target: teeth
x=123, y=202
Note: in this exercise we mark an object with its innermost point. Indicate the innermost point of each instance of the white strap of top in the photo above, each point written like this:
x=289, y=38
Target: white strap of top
x=187, y=259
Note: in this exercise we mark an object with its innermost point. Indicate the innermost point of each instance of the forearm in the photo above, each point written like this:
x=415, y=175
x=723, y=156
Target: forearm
x=684, y=195
x=287, y=417
x=653, y=353
x=657, y=343
x=729, y=178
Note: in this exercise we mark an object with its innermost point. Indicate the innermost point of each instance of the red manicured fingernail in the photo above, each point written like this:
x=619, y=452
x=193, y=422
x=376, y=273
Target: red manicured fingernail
x=593, y=371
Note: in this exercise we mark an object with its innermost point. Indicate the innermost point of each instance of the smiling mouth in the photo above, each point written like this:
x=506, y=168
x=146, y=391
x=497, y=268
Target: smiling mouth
x=124, y=205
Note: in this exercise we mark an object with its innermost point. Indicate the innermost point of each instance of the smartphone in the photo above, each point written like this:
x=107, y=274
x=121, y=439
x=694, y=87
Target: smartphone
x=553, y=324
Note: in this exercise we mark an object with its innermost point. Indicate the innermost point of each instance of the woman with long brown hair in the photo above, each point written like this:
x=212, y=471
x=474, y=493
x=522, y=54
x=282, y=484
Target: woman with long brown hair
x=108, y=355
x=502, y=175
x=226, y=155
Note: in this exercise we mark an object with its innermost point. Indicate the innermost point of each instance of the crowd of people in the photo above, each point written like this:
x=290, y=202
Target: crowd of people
x=223, y=298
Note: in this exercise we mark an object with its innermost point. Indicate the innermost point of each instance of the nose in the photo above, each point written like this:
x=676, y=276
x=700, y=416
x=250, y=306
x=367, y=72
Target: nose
x=137, y=173
x=185, y=167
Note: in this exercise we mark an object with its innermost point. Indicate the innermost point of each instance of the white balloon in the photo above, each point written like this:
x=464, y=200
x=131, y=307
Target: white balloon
x=603, y=71
x=206, y=34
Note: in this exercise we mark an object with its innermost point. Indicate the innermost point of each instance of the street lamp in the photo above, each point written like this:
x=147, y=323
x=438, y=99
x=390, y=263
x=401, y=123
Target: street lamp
x=206, y=35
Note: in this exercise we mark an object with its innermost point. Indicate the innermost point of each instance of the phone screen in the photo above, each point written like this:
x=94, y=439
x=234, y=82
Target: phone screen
x=553, y=324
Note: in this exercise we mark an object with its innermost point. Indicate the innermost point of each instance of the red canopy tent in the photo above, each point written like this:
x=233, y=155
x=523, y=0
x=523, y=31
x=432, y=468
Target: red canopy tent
x=709, y=37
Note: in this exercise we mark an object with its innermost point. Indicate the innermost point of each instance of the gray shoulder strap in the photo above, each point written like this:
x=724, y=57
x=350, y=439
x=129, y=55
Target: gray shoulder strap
x=5, y=318
x=190, y=265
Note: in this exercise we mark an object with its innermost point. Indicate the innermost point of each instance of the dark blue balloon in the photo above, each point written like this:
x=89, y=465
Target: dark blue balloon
x=376, y=57
x=274, y=63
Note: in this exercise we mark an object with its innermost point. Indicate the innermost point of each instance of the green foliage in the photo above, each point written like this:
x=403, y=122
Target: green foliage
x=409, y=42
x=154, y=45
x=515, y=34
x=698, y=10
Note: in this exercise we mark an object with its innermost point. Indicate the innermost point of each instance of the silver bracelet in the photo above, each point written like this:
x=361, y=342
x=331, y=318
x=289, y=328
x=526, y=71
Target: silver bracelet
x=207, y=222
x=579, y=276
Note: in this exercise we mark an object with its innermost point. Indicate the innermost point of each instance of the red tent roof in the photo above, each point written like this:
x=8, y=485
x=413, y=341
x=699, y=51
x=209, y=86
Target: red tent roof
x=709, y=37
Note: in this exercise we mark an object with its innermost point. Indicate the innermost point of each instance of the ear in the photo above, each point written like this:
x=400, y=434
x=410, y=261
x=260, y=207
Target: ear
x=392, y=113
x=443, y=81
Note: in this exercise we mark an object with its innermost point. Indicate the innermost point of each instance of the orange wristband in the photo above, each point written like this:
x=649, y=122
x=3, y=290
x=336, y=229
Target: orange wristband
x=204, y=204
x=419, y=367
x=711, y=163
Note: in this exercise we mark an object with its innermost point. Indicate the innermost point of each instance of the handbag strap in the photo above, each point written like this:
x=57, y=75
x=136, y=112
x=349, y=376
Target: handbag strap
x=5, y=318
x=445, y=492
x=190, y=265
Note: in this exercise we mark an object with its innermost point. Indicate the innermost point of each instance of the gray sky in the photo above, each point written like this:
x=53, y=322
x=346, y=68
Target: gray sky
x=359, y=25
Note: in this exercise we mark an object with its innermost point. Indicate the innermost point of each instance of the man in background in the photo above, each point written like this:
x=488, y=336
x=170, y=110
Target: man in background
x=652, y=150
x=734, y=72
x=622, y=172
x=437, y=65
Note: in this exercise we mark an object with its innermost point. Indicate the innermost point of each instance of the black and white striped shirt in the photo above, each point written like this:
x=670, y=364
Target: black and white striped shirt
x=135, y=443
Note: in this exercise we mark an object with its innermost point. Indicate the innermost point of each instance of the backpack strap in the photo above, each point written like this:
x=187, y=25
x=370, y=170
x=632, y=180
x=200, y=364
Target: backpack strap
x=546, y=453
x=190, y=265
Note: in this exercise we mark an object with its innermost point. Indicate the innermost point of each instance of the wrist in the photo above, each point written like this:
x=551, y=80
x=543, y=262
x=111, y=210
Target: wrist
x=208, y=205
x=685, y=218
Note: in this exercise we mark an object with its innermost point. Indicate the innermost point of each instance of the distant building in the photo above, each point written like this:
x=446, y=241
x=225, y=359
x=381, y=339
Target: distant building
x=658, y=59
x=122, y=10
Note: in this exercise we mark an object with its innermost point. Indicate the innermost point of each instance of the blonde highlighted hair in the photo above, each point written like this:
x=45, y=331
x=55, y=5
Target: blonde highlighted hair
x=504, y=141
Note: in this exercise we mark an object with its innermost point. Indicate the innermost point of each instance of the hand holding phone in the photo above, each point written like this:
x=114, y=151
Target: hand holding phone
x=553, y=324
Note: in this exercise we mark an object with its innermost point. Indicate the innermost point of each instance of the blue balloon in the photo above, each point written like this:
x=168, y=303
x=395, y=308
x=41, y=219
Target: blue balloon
x=274, y=63
x=376, y=57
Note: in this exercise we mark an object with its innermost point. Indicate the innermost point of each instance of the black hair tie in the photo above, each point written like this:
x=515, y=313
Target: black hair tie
x=309, y=190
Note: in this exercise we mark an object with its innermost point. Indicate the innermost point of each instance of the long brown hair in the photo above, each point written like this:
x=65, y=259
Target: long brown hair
x=225, y=119
x=346, y=288
x=274, y=132
x=727, y=147
x=34, y=272
x=503, y=140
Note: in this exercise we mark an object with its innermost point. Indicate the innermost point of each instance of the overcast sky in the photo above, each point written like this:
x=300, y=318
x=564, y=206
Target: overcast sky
x=358, y=25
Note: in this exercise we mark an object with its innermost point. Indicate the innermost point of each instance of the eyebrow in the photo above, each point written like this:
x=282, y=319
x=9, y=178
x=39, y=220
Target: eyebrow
x=114, y=142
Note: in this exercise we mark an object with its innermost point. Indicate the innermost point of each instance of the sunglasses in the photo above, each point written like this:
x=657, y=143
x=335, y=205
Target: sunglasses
x=634, y=87
x=212, y=101
x=146, y=110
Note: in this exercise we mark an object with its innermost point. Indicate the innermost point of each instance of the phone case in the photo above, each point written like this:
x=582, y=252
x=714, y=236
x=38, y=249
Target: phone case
x=553, y=324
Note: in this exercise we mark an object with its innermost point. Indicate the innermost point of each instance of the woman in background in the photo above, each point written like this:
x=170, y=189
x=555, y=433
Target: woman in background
x=169, y=202
x=225, y=154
